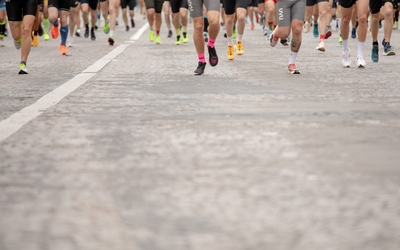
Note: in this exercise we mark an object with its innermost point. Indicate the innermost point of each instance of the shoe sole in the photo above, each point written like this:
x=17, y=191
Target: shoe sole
x=297, y=72
x=321, y=49
x=21, y=72
x=391, y=53
x=361, y=66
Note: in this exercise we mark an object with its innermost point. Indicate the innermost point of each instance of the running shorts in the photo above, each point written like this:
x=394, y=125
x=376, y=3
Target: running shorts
x=2, y=4
x=74, y=3
x=196, y=7
x=290, y=10
x=154, y=4
x=261, y=1
x=60, y=4
x=17, y=9
x=177, y=4
x=271, y=0
x=253, y=3
x=347, y=3
x=314, y=2
x=375, y=5
x=130, y=3
x=230, y=5
x=92, y=3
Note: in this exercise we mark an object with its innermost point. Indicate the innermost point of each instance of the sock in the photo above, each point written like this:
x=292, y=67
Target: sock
x=151, y=27
x=23, y=62
x=201, y=58
x=211, y=42
x=111, y=33
x=375, y=43
x=106, y=20
x=46, y=24
x=55, y=23
x=35, y=33
x=270, y=24
x=239, y=37
x=396, y=16
x=360, y=48
x=205, y=24
x=316, y=22
x=234, y=27
x=87, y=26
x=293, y=56
x=321, y=37
x=157, y=32
x=345, y=43
x=2, y=28
x=178, y=32
x=64, y=34
x=184, y=28
x=230, y=40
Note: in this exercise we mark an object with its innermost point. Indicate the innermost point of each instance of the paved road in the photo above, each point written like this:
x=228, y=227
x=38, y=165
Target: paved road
x=144, y=155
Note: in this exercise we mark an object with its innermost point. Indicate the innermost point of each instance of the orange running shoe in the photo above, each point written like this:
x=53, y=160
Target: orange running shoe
x=257, y=19
x=63, y=50
x=55, y=31
x=292, y=69
x=252, y=27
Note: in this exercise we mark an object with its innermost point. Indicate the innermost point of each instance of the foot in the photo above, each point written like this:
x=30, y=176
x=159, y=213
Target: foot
x=170, y=33
x=132, y=23
x=78, y=33
x=92, y=35
x=40, y=30
x=234, y=33
x=158, y=40
x=86, y=33
x=63, y=50
x=151, y=35
x=292, y=69
x=70, y=41
x=252, y=27
x=22, y=69
x=388, y=51
x=46, y=37
x=200, y=69
x=360, y=61
x=340, y=39
x=55, y=31
x=375, y=53
x=106, y=27
x=205, y=37
x=178, y=40
x=284, y=42
x=213, y=57
x=111, y=41
x=239, y=48
x=328, y=34
x=321, y=46
x=17, y=44
x=307, y=26
x=273, y=40
x=396, y=25
x=346, y=62
x=231, y=54
x=185, y=37
x=35, y=40
x=127, y=28
x=353, y=33
x=315, y=31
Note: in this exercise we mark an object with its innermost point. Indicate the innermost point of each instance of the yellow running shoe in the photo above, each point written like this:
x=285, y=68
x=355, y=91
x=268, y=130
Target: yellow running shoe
x=35, y=40
x=158, y=40
x=231, y=53
x=185, y=37
x=46, y=36
x=239, y=48
x=178, y=40
x=151, y=36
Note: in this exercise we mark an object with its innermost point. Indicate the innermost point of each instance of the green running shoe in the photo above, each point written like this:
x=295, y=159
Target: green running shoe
x=234, y=34
x=158, y=40
x=178, y=40
x=151, y=36
x=46, y=36
x=106, y=27
x=340, y=39
x=185, y=37
x=22, y=69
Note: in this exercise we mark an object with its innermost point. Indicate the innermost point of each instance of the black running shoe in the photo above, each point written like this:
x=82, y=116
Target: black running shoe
x=284, y=42
x=170, y=33
x=92, y=35
x=127, y=28
x=213, y=57
x=110, y=41
x=133, y=23
x=40, y=31
x=78, y=33
x=200, y=69
x=86, y=33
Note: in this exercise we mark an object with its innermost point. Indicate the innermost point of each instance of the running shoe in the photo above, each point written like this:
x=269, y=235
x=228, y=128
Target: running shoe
x=92, y=35
x=346, y=62
x=234, y=33
x=185, y=37
x=200, y=69
x=225, y=35
x=375, y=53
x=22, y=69
x=35, y=40
x=86, y=33
x=262, y=20
x=231, y=53
x=383, y=42
x=353, y=33
x=106, y=27
x=273, y=40
x=307, y=26
x=315, y=31
x=127, y=28
x=252, y=27
x=266, y=32
x=284, y=42
x=78, y=32
x=396, y=25
x=340, y=39
x=158, y=40
x=63, y=50
x=46, y=36
x=388, y=51
x=55, y=31
x=360, y=61
x=70, y=41
x=328, y=34
x=96, y=27
x=293, y=70
x=239, y=48
x=1, y=42
x=151, y=35
x=321, y=46
x=170, y=33
x=213, y=57
x=178, y=40
x=257, y=18
x=205, y=37
x=133, y=23
x=380, y=24
x=17, y=44
x=111, y=41
x=40, y=30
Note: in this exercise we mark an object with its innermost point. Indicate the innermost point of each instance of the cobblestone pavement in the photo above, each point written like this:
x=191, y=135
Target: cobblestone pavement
x=145, y=155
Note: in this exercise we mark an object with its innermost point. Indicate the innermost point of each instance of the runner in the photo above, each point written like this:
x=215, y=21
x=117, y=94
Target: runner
x=230, y=6
x=154, y=8
x=290, y=17
x=109, y=26
x=44, y=8
x=72, y=20
x=167, y=11
x=2, y=21
x=60, y=8
x=179, y=11
x=85, y=5
x=375, y=7
x=124, y=5
x=35, y=26
x=196, y=11
x=251, y=10
x=270, y=17
x=362, y=10
x=21, y=15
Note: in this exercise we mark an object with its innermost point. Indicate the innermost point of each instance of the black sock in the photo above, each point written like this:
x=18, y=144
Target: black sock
x=35, y=33
x=87, y=26
x=23, y=62
x=205, y=24
x=92, y=29
x=396, y=16
x=375, y=43
x=2, y=29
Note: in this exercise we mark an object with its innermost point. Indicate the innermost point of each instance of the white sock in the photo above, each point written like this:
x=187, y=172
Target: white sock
x=345, y=43
x=111, y=33
x=293, y=56
x=239, y=37
x=151, y=27
x=230, y=40
x=361, y=48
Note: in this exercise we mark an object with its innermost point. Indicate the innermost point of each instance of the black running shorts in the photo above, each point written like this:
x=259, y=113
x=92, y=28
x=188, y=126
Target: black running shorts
x=92, y=3
x=230, y=5
x=176, y=5
x=347, y=3
x=126, y=3
x=375, y=5
x=74, y=3
x=17, y=9
x=60, y=4
x=253, y=3
x=314, y=2
x=154, y=4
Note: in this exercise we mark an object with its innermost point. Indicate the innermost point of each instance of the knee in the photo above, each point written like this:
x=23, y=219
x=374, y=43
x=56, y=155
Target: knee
x=362, y=19
x=241, y=17
x=322, y=14
x=198, y=28
x=230, y=18
x=296, y=30
x=213, y=22
x=26, y=31
x=346, y=21
x=388, y=13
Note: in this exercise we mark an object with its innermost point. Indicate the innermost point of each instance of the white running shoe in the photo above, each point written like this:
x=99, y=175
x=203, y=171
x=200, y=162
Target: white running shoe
x=70, y=41
x=17, y=44
x=321, y=46
x=272, y=41
x=307, y=26
x=360, y=61
x=346, y=59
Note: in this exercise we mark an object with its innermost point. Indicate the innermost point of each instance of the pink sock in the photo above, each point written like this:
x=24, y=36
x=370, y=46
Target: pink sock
x=211, y=42
x=201, y=58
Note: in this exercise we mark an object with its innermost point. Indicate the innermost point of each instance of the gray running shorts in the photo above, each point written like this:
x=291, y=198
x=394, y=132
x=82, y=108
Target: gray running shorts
x=290, y=10
x=196, y=7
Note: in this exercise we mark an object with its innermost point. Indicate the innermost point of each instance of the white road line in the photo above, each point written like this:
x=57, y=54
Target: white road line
x=16, y=121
